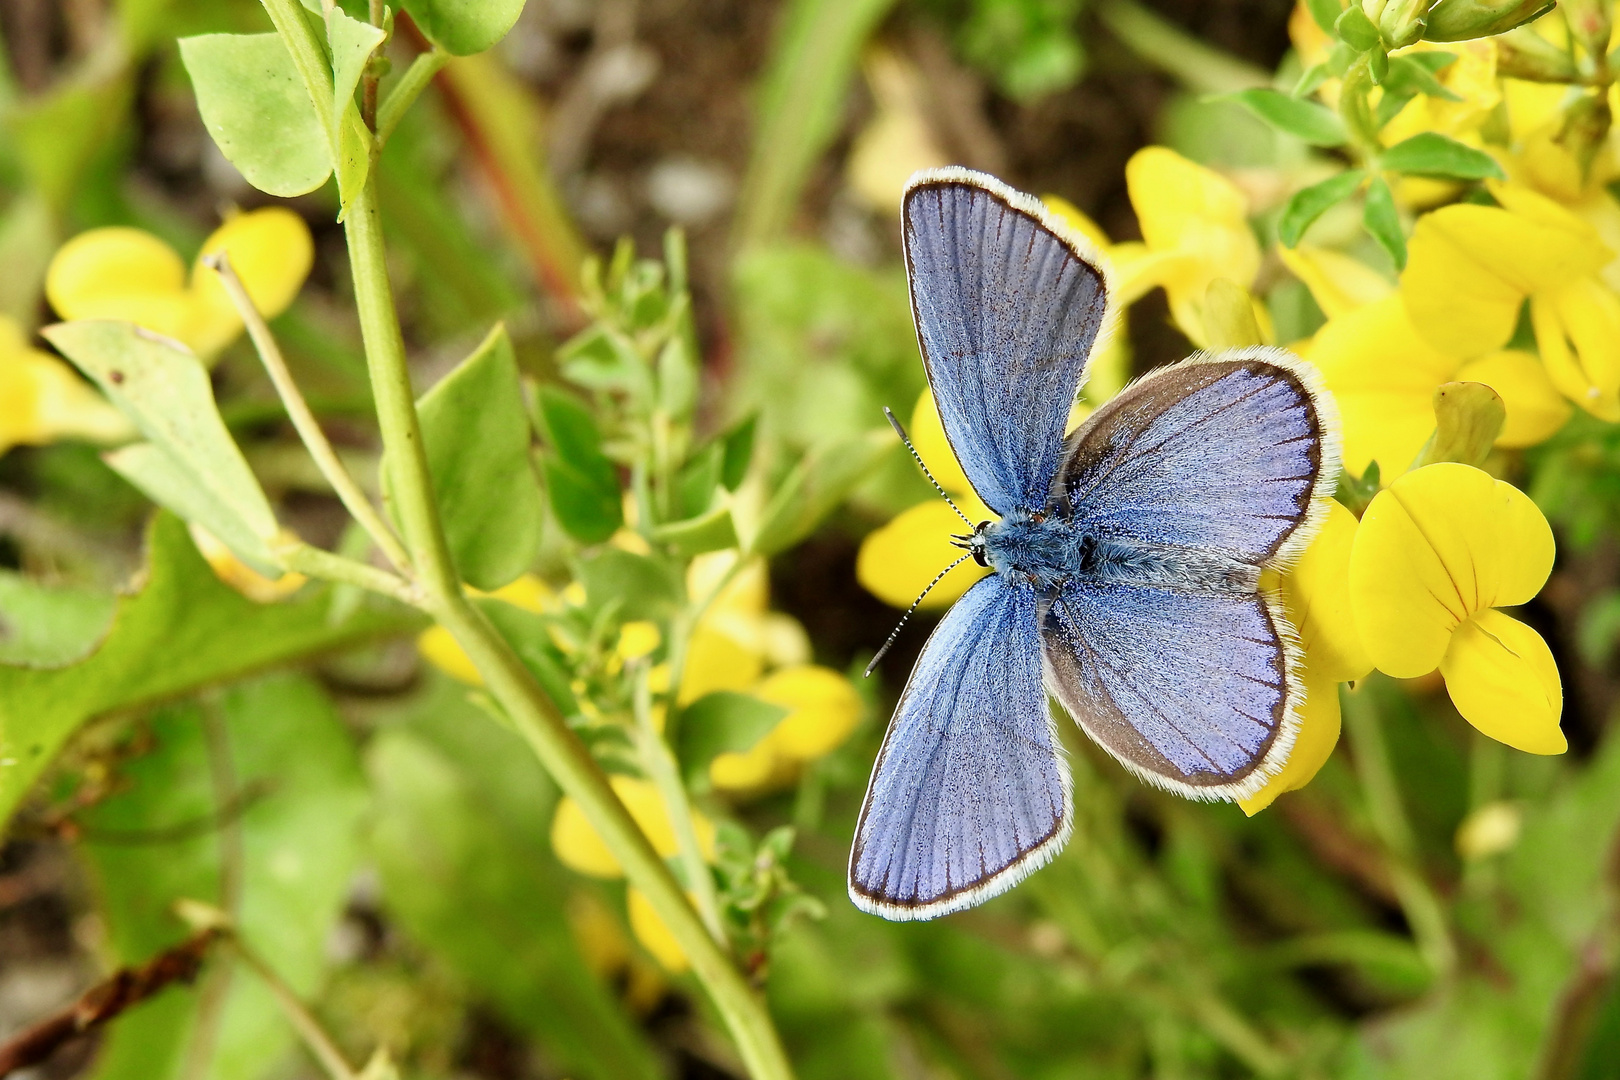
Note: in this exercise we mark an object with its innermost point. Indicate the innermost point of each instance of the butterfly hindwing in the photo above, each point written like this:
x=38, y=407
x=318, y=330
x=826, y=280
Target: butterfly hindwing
x=969, y=793
x=1227, y=454
x=1193, y=691
x=1008, y=302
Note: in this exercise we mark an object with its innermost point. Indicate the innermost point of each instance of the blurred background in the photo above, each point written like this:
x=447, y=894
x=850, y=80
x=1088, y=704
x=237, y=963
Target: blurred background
x=400, y=857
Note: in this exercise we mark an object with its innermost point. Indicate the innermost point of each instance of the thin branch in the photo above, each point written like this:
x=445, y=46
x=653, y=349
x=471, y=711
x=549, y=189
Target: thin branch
x=405, y=92
x=309, y=1029
x=124, y=989
x=316, y=562
x=348, y=490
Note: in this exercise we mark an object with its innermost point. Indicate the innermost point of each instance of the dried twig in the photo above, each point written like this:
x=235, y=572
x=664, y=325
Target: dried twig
x=124, y=989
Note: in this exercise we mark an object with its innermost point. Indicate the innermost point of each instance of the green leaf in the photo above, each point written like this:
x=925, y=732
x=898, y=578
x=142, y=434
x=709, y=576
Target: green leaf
x=351, y=43
x=1414, y=73
x=582, y=482
x=697, y=480
x=193, y=463
x=1430, y=153
x=815, y=488
x=256, y=107
x=1325, y=13
x=477, y=439
x=300, y=796
x=739, y=442
x=712, y=531
x=462, y=846
x=1315, y=124
x=719, y=723
x=1355, y=29
x=61, y=136
x=463, y=27
x=183, y=631
x=50, y=626
x=1308, y=204
x=1383, y=221
x=635, y=586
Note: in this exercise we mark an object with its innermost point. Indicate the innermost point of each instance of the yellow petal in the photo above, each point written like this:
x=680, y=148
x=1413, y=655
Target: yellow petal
x=271, y=251
x=716, y=660
x=580, y=847
x=1438, y=545
x=1535, y=409
x=1383, y=376
x=749, y=592
x=898, y=141
x=823, y=709
x=1469, y=267
x=1317, y=592
x=1076, y=219
x=1502, y=678
x=651, y=930
x=637, y=639
x=1578, y=333
x=1318, y=734
x=42, y=399
x=240, y=576
x=529, y=593
x=1182, y=206
x=898, y=560
x=110, y=262
x=1339, y=284
x=439, y=648
x=746, y=770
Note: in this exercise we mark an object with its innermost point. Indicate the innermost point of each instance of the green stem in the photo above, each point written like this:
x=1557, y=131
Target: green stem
x=1424, y=912
x=309, y=1029
x=570, y=763
x=1356, y=111
x=405, y=92
x=301, y=558
x=660, y=765
x=309, y=429
x=1199, y=67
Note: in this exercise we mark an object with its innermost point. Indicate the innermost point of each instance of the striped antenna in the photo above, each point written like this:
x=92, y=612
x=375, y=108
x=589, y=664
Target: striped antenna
x=902, y=624
x=894, y=422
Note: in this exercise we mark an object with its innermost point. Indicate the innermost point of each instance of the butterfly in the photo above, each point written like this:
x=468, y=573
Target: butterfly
x=1126, y=562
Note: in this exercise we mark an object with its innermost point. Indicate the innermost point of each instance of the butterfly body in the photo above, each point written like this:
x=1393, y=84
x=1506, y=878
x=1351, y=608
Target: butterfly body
x=1127, y=560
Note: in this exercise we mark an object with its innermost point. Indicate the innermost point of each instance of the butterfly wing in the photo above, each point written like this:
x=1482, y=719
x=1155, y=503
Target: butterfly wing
x=1008, y=302
x=1232, y=454
x=1194, y=691
x=969, y=794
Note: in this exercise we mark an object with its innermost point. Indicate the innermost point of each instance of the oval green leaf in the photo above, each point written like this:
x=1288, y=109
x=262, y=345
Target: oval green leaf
x=1433, y=154
x=1310, y=203
x=464, y=27
x=1306, y=120
x=256, y=108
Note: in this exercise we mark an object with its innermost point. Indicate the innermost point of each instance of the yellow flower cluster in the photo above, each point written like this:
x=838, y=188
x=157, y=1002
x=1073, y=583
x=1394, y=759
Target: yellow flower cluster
x=1415, y=584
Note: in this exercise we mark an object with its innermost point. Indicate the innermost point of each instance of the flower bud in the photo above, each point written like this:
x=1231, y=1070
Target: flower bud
x=1589, y=23
x=1460, y=20
x=1586, y=128
x=1402, y=22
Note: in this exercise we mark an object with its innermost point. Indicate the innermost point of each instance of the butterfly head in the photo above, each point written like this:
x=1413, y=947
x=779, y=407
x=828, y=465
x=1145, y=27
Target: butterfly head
x=974, y=543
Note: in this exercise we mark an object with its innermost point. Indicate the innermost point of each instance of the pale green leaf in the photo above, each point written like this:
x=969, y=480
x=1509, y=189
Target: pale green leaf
x=165, y=390
x=256, y=107
x=351, y=42
x=719, y=723
x=464, y=27
x=815, y=488
x=167, y=482
x=49, y=626
x=183, y=631
x=476, y=434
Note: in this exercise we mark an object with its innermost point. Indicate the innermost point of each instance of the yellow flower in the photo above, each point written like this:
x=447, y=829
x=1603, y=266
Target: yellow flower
x=441, y=650
x=1317, y=594
x=1436, y=554
x=1195, y=229
x=897, y=142
x=43, y=400
x=823, y=708
x=1471, y=77
x=125, y=273
x=580, y=848
x=1383, y=375
x=1338, y=283
x=727, y=648
x=1470, y=268
x=653, y=933
x=897, y=561
x=1109, y=368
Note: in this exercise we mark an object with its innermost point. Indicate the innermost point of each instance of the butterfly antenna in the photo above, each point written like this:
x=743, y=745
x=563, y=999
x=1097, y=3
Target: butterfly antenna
x=894, y=422
x=902, y=624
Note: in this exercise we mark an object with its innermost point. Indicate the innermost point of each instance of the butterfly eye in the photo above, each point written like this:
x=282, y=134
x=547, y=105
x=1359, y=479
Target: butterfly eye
x=979, y=556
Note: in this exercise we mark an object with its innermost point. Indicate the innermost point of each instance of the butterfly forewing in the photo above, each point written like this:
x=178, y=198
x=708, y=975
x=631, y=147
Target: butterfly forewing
x=969, y=793
x=1007, y=303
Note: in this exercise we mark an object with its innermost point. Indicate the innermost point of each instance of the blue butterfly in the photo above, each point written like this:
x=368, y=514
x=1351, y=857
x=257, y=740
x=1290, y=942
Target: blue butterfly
x=1126, y=560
